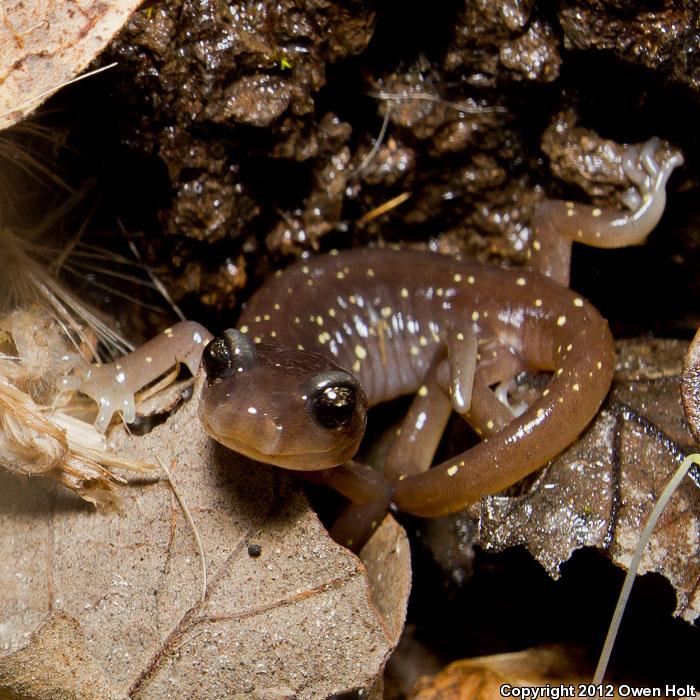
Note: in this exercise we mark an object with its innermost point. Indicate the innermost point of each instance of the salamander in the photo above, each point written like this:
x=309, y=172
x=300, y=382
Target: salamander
x=332, y=335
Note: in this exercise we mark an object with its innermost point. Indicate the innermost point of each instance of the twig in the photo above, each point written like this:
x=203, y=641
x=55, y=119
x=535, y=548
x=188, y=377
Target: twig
x=190, y=520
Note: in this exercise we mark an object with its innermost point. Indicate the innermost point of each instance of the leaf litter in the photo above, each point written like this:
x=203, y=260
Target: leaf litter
x=44, y=43
x=301, y=615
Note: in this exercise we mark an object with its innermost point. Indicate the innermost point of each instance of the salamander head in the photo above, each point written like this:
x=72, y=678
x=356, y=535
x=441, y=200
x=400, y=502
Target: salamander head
x=279, y=405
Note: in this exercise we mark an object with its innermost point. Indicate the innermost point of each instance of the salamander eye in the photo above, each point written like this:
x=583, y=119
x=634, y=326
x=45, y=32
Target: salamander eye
x=230, y=352
x=333, y=401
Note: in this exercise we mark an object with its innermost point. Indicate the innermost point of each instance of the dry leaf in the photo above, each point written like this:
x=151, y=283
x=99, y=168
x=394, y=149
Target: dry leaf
x=570, y=505
x=483, y=678
x=298, y=616
x=45, y=43
x=55, y=665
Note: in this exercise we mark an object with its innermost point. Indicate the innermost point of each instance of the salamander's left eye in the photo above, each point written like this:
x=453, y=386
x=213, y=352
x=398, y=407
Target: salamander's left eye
x=334, y=400
x=230, y=352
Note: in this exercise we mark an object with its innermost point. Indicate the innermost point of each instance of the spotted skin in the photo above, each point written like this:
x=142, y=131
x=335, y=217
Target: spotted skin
x=386, y=314
x=409, y=322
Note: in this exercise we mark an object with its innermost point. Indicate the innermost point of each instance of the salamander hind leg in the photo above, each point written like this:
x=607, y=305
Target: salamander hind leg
x=574, y=341
x=557, y=223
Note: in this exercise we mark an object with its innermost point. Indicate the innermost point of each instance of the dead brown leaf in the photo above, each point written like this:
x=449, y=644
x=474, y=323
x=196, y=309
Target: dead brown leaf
x=45, y=43
x=483, y=678
x=642, y=430
x=55, y=665
x=299, y=616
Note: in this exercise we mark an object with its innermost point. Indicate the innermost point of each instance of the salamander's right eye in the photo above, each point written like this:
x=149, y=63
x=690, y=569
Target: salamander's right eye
x=230, y=352
x=336, y=399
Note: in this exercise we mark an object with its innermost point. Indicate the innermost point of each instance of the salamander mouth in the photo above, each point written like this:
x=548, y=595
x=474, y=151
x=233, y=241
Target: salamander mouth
x=297, y=460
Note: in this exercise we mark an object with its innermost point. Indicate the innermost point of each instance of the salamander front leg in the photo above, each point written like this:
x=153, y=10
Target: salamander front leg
x=113, y=386
x=370, y=495
x=556, y=224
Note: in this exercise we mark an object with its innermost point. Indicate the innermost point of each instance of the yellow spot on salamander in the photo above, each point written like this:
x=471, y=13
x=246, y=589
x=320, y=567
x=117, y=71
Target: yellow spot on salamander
x=404, y=293
x=576, y=387
x=451, y=471
x=331, y=312
x=340, y=274
x=423, y=391
x=596, y=212
x=360, y=352
x=244, y=329
x=521, y=281
x=475, y=315
x=538, y=302
x=578, y=302
x=599, y=364
x=561, y=320
x=536, y=245
x=489, y=425
x=457, y=277
x=471, y=279
x=386, y=312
